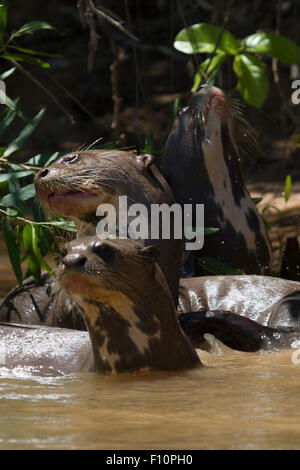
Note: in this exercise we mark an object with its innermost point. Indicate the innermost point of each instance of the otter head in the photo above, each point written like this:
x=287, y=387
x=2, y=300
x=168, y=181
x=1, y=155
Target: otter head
x=211, y=118
x=128, y=308
x=98, y=270
x=202, y=143
x=76, y=184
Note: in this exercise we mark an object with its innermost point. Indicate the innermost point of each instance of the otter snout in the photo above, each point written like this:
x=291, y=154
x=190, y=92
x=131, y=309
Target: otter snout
x=74, y=261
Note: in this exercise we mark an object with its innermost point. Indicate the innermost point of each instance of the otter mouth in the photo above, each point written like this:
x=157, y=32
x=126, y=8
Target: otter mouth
x=207, y=108
x=82, y=194
x=77, y=282
x=74, y=203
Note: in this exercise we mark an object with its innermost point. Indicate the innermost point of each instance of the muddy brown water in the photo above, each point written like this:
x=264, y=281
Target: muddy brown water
x=235, y=401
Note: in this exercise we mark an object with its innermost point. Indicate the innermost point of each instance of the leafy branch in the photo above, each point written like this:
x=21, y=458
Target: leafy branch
x=248, y=66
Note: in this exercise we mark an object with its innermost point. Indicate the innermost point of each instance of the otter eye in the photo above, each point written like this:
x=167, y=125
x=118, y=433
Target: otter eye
x=105, y=252
x=70, y=158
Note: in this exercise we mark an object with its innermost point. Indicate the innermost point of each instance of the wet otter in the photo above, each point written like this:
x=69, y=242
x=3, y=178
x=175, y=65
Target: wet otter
x=79, y=182
x=50, y=305
x=130, y=314
x=129, y=328
x=74, y=186
x=269, y=301
x=39, y=350
x=201, y=165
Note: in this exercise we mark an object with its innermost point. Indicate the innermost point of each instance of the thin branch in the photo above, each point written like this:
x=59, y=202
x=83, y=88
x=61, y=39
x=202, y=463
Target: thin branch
x=40, y=85
x=81, y=10
x=111, y=20
x=94, y=36
x=138, y=79
x=180, y=9
x=72, y=97
x=26, y=166
x=117, y=99
x=225, y=20
x=119, y=55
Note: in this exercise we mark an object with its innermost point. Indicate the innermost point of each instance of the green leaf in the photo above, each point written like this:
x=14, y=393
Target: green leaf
x=13, y=184
x=12, y=212
x=149, y=145
x=268, y=226
x=14, y=106
x=209, y=230
x=45, y=159
x=15, y=174
x=33, y=52
x=24, y=134
x=257, y=200
x=18, y=235
x=7, y=117
x=175, y=110
x=215, y=267
x=30, y=28
x=297, y=140
x=202, y=37
x=3, y=20
x=12, y=248
x=63, y=225
x=252, y=82
x=6, y=74
x=45, y=239
x=36, y=250
x=275, y=45
x=22, y=194
x=287, y=187
x=27, y=59
x=33, y=262
x=202, y=74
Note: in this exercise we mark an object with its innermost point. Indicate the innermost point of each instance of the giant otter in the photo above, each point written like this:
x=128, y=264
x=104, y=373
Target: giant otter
x=77, y=183
x=48, y=304
x=51, y=185
x=127, y=305
x=201, y=165
x=130, y=315
x=74, y=186
x=129, y=328
x=270, y=301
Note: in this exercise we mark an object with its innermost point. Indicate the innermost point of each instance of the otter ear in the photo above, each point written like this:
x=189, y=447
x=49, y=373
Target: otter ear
x=145, y=160
x=151, y=253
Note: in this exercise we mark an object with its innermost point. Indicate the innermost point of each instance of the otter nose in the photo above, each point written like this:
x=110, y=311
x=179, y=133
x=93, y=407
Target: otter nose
x=74, y=261
x=43, y=173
